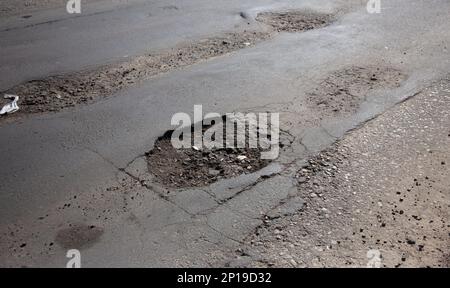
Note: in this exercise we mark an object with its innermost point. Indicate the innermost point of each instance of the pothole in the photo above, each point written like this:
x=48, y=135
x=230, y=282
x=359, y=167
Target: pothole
x=344, y=90
x=55, y=93
x=59, y=92
x=78, y=236
x=196, y=167
x=295, y=21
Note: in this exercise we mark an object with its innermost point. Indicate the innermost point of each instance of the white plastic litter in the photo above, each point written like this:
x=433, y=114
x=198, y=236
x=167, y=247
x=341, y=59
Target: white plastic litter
x=241, y=157
x=10, y=107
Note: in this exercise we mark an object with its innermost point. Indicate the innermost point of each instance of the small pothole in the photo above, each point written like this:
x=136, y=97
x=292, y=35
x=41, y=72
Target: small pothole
x=343, y=91
x=295, y=21
x=196, y=167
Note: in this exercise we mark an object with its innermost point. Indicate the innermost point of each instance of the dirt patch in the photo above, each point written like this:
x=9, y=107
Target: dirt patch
x=78, y=236
x=182, y=168
x=58, y=92
x=194, y=167
x=295, y=21
x=344, y=90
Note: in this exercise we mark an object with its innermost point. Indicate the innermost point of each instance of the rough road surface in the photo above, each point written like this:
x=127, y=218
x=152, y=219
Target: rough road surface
x=384, y=188
x=78, y=176
x=57, y=92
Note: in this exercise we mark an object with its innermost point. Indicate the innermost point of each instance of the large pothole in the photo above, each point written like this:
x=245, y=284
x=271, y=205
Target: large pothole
x=295, y=21
x=196, y=167
x=345, y=89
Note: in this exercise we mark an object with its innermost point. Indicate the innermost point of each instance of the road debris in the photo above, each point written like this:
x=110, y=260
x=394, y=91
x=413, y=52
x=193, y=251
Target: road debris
x=295, y=21
x=10, y=107
x=181, y=168
x=241, y=157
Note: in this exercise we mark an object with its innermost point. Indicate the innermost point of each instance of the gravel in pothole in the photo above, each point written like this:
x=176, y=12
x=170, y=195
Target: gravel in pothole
x=295, y=21
x=344, y=90
x=194, y=167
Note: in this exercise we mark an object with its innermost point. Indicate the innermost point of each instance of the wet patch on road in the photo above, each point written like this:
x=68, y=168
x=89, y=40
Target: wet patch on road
x=78, y=236
x=295, y=21
x=344, y=90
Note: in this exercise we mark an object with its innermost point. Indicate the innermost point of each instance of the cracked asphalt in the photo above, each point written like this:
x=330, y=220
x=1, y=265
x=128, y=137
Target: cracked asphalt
x=79, y=178
x=383, y=187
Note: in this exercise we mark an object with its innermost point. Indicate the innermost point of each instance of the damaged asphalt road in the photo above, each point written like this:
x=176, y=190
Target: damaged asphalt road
x=370, y=191
x=79, y=177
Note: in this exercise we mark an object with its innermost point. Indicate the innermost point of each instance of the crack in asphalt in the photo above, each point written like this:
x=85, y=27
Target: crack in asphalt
x=328, y=133
x=221, y=233
x=140, y=182
x=242, y=190
x=290, y=197
x=370, y=119
x=222, y=203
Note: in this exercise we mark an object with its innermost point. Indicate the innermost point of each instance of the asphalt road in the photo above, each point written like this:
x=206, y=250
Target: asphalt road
x=51, y=43
x=76, y=156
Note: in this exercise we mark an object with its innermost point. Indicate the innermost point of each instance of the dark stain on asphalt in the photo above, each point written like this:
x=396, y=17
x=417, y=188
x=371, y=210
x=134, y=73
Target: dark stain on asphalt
x=78, y=236
x=169, y=7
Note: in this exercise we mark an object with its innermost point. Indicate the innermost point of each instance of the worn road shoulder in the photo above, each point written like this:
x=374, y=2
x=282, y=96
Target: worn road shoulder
x=383, y=192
